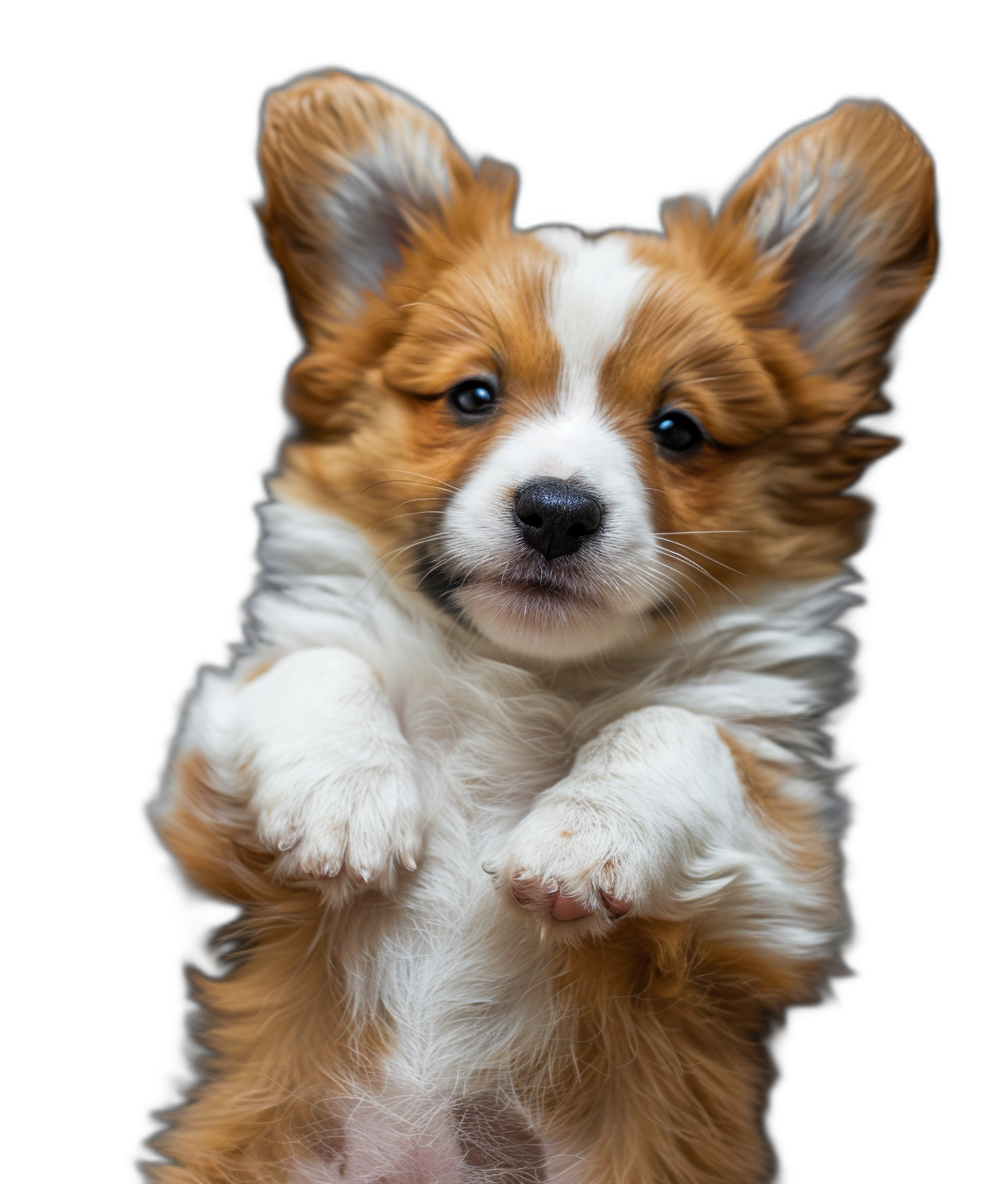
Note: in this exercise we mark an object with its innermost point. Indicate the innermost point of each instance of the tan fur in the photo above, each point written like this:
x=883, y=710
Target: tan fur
x=810, y=848
x=659, y=1071
x=211, y=835
x=669, y=1075
x=461, y=326
x=468, y=300
x=281, y=1039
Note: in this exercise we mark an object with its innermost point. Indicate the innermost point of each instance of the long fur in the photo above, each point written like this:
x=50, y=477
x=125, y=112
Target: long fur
x=532, y=854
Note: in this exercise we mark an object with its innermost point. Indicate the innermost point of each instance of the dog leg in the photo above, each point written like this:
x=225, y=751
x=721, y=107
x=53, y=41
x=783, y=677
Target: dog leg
x=306, y=763
x=663, y=816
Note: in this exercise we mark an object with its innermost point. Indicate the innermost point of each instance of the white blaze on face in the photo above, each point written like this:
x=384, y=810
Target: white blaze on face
x=594, y=292
x=595, y=289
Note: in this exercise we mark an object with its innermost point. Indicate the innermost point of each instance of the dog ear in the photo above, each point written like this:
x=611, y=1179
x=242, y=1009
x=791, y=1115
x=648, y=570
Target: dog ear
x=840, y=217
x=351, y=171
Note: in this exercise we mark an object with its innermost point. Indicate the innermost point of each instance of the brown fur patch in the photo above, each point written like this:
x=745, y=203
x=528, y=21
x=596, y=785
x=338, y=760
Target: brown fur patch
x=659, y=1070
x=213, y=836
x=407, y=452
x=810, y=847
x=281, y=1045
x=279, y=1037
x=765, y=498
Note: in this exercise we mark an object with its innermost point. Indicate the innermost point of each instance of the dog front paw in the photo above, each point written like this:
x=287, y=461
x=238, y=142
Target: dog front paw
x=574, y=866
x=358, y=827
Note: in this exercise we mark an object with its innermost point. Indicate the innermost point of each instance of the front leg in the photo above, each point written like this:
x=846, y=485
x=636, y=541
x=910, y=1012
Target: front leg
x=662, y=815
x=303, y=759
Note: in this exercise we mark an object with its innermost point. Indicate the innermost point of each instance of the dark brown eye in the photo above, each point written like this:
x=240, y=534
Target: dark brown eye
x=677, y=432
x=475, y=396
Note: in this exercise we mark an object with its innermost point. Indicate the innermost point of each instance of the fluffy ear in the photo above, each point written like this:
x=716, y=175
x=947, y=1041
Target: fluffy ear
x=351, y=169
x=840, y=214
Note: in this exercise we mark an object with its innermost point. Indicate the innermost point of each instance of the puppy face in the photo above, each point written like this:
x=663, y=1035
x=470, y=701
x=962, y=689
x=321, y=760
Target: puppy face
x=568, y=442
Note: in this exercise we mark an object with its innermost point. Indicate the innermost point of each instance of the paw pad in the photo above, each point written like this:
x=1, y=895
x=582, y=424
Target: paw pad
x=549, y=899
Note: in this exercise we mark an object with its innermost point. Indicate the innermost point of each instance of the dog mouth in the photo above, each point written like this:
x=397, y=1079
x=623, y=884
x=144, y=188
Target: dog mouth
x=542, y=610
x=561, y=580
x=541, y=599
x=528, y=584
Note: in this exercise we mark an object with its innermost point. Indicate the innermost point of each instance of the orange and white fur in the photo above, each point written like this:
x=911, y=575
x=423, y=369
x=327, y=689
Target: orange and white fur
x=520, y=778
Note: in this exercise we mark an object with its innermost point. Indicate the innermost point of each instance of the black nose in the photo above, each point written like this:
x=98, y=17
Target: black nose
x=555, y=516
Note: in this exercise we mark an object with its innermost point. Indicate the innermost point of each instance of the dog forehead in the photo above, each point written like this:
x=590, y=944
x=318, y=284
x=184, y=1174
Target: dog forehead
x=595, y=287
x=591, y=289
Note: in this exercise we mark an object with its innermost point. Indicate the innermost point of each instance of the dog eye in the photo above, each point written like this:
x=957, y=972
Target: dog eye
x=475, y=396
x=677, y=432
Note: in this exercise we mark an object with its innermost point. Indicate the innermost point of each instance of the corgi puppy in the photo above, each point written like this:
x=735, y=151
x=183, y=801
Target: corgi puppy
x=520, y=779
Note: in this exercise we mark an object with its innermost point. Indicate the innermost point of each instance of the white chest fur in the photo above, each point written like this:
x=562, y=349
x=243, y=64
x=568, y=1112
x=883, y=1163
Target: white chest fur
x=371, y=736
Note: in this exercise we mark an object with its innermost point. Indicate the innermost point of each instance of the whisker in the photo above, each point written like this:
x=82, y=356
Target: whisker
x=709, y=558
x=673, y=623
x=714, y=377
x=415, y=476
x=684, y=592
x=619, y=583
x=389, y=481
x=703, y=571
x=445, y=308
x=410, y=500
x=387, y=555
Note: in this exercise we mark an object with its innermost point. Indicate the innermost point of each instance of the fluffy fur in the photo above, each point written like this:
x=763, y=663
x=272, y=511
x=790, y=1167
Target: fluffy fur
x=531, y=851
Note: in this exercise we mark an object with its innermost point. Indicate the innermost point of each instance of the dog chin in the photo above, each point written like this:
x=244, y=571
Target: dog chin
x=544, y=624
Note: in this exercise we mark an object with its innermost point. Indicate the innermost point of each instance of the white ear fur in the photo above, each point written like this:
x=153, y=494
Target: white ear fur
x=842, y=210
x=349, y=167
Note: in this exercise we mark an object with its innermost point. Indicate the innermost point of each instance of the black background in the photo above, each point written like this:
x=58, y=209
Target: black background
x=196, y=340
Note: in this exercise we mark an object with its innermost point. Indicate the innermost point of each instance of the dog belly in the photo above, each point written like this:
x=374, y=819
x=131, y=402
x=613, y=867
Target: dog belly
x=403, y=1136
x=464, y=980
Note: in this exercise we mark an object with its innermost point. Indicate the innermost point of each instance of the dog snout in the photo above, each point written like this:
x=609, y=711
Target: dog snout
x=555, y=516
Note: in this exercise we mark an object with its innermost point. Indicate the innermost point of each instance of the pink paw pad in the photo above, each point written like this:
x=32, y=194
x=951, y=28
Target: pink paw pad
x=539, y=898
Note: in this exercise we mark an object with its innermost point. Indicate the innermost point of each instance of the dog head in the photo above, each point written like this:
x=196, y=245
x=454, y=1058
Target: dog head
x=569, y=440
